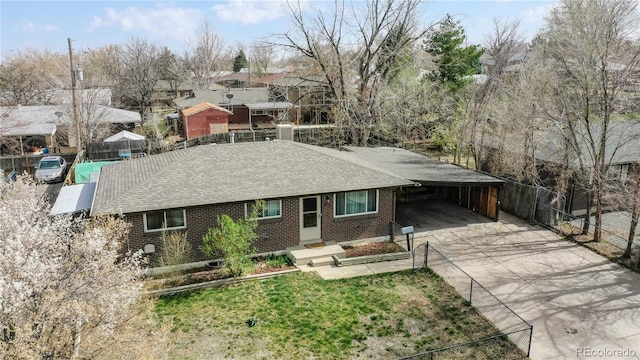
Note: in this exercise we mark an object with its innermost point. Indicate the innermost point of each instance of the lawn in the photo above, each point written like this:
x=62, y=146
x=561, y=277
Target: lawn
x=303, y=316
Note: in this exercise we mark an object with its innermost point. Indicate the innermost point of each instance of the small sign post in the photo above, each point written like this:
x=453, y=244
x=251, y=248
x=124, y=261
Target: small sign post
x=407, y=230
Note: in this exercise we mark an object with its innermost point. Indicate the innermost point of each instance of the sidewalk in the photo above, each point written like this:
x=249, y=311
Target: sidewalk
x=331, y=272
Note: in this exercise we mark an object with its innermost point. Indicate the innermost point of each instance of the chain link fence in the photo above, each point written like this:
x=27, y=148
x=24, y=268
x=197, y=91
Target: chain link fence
x=513, y=337
x=550, y=215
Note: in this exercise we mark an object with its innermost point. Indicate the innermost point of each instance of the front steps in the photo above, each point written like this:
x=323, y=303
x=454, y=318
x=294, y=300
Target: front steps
x=300, y=255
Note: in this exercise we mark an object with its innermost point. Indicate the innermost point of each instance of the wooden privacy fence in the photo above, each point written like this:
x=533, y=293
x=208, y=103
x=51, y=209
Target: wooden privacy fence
x=118, y=149
x=27, y=163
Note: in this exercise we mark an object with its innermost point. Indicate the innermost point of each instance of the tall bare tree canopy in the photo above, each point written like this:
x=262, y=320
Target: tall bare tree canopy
x=204, y=56
x=133, y=69
x=592, y=47
x=28, y=77
x=355, y=54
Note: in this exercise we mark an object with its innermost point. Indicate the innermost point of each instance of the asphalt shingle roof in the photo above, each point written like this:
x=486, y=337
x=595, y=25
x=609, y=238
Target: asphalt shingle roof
x=41, y=119
x=623, y=144
x=420, y=168
x=211, y=174
x=219, y=97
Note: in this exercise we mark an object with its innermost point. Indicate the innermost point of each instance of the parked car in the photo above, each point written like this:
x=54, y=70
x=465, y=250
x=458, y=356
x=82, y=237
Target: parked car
x=52, y=169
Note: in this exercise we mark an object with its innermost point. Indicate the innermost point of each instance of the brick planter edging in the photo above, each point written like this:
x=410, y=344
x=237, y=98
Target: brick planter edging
x=371, y=258
x=218, y=283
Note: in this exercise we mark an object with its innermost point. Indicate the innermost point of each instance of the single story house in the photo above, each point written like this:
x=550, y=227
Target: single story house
x=621, y=155
x=204, y=119
x=313, y=194
x=250, y=108
x=41, y=126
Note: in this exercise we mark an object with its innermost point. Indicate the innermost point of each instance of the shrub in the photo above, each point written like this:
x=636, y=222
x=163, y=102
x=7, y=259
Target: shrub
x=233, y=240
x=176, y=249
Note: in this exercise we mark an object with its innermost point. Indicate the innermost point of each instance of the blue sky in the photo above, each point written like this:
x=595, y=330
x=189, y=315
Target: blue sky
x=91, y=24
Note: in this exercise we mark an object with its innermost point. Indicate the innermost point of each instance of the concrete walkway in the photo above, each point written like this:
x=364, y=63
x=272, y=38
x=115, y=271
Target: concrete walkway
x=580, y=304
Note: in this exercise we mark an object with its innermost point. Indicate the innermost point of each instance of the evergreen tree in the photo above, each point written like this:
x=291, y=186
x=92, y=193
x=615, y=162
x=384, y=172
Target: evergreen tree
x=239, y=62
x=454, y=61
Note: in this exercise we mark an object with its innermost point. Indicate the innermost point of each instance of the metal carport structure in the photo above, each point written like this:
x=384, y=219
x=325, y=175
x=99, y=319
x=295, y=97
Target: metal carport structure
x=435, y=179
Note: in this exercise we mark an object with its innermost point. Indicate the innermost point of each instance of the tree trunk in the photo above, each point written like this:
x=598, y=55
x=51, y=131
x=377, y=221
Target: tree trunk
x=635, y=214
x=587, y=216
x=597, y=231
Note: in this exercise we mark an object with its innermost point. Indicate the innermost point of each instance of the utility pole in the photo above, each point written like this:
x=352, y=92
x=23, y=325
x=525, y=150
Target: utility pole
x=73, y=97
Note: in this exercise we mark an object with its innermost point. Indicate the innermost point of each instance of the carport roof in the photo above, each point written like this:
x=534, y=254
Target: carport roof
x=420, y=168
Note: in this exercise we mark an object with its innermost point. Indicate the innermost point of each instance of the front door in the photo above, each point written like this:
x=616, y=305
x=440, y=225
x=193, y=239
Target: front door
x=310, y=217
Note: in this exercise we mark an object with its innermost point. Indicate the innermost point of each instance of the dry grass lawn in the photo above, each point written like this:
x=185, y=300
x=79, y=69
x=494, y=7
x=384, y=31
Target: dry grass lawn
x=301, y=316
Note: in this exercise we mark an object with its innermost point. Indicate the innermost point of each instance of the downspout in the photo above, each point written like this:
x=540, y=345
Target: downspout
x=251, y=126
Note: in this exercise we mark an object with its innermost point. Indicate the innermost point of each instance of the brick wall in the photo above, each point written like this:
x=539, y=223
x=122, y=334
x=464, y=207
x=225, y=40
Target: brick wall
x=273, y=234
x=358, y=226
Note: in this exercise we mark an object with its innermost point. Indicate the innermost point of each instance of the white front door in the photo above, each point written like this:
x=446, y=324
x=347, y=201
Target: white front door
x=310, y=218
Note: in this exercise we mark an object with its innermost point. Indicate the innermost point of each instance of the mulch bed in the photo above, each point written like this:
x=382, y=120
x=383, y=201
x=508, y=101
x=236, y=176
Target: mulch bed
x=200, y=275
x=375, y=248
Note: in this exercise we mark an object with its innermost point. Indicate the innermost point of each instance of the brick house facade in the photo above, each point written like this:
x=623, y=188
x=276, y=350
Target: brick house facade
x=312, y=194
x=274, y=234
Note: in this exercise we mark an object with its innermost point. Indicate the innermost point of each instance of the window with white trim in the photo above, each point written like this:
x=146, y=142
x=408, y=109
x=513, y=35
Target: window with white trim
x=272, y=209
x=355, y=203
x=258, y=112
x=164, y=220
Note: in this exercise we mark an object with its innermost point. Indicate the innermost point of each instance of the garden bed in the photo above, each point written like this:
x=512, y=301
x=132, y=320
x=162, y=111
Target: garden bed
x=372, y=253
x=208, y=274
x=374, y=248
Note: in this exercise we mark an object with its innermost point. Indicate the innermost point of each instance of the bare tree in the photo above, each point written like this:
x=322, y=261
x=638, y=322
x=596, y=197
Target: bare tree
x=206, y=55
x=133, y=70
x=65, y=288
x=588, y=40
x=28, y=77
x=501, y=46
x=626, y=197
x=262, y=55
x=356, y=68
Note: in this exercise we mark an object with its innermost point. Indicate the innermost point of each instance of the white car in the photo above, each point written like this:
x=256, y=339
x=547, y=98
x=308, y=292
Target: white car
x=52, y=169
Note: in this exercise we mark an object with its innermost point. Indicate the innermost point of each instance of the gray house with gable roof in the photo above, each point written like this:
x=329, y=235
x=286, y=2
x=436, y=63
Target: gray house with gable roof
x=313, y=194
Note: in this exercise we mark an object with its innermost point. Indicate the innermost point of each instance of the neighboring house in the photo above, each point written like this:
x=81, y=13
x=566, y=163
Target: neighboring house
x=167, y=91
x=251, y=108
x=313, y=194
x=52, y=126
x=311, y=96
x=204, y=119
x=622, y=152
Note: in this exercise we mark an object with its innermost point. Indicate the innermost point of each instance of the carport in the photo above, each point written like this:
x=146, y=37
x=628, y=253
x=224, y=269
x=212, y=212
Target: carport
x=436, y=182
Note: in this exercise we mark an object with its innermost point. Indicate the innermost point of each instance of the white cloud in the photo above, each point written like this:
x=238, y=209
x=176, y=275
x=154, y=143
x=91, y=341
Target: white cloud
x=538, y=13
x=250, y=11
x=34, y=28
x=161, y=21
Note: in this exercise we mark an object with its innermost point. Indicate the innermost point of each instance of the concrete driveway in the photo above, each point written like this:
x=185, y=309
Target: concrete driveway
x=580, y=304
